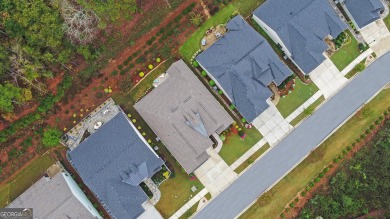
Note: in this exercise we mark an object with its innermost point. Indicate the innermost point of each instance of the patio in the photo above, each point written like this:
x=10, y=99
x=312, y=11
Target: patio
x=212, y=35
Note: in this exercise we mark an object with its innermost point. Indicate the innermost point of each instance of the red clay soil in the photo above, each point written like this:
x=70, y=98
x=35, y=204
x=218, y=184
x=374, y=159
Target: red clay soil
x=333, y=169
x=287, y=88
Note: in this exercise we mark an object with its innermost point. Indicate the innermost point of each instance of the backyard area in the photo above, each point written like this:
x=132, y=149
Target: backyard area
x=246, y=7
x=272, y=203
x=301, y=93
x=347, y=53
x=308, y=111
x=234, y=146
x=176, y=191
x=188, y=49
x=24, y=179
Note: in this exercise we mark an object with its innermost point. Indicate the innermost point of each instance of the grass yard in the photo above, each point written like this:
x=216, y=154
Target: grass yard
x=346, y=54
x=252, y=158
x=175, y=192
x=310, y=110
x=272, y=203
x=296, y=98
x=358, y=68
x=387, y=21
x=188, y=49
x=234, y=147
x=147, y=82
x=246, y=7
x=24, y=179
x=193, y=209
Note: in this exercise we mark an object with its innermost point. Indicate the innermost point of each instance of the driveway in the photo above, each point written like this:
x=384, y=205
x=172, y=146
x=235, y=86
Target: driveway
x=374, y=32
x=272, y=125
x=283, y=157
x=328, y=78
x=215, y=174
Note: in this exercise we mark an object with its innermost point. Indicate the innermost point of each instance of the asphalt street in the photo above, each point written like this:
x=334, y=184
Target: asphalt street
x=299, y=143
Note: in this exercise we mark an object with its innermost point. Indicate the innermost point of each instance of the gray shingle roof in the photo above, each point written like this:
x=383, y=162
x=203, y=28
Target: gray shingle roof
x=244, y=64
x=51, y=198
x=364, y=11
x=183, y=114
x=302, y=25
x=112, y=162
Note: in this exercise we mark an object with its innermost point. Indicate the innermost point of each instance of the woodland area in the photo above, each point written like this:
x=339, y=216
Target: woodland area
x=361, y=186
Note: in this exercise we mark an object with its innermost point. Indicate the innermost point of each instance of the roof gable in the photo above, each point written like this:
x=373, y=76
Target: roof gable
x=241, y=63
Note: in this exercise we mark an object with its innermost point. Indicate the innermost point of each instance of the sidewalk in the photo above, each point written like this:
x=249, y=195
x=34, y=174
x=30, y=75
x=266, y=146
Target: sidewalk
x=249, y=153
x=360, y=58
x=189, y=204
x=305, y=105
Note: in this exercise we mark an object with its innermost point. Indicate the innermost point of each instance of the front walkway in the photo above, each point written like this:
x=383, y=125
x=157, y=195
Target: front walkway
x=272, y=125
x=328, y=78
x=360, y=58
x=215, y=174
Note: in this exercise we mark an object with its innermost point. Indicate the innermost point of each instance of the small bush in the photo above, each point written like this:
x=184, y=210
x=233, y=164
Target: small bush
x=122, y=72
x=232, y=107
x=150, y=66
x=317, y=179
x=134, y=120
x=326, y=169
x=336, y=160
x=321, y=175
x=195, y=63
x=243, y=120
x=354, y=144
x=158, y=60
x=131, y=65
x=211, y=82
x=296, y=199
x=367, y=131
x=377, y=122
x=113, y=73
x=349, y=148
x=220, y=92
x=381, y=118
x=291, y=204
x=386, y=113
x=120, y=67
x=358, y=140
x=311, y=184
x=363, y=136
x=95, y=205
x=141, y=74
x=204, y=73
x=303, y=193
x=307, y=188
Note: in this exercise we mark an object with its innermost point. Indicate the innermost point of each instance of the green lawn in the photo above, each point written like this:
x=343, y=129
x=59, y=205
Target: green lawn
x=24, y=179
x=296, y=98
x=234, y=147
x=387, y=21
x=355, y=70
x=147, y=82
x=304, y=114
x=246, y=7
x=193, y=209
x=346, y=54
x=252, y=158
x=175, y=192
x=188, y=49
x=271, y=204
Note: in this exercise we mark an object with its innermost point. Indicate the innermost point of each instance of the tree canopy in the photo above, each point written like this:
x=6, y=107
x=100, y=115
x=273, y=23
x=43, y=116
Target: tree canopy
x=51, y=137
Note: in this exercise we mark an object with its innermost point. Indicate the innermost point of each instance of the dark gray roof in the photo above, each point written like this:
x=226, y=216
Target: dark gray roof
x=364, y=11
x=244, y=64
x=52, y=198
x=302, y=25
x=183, y=114
x=112, y=162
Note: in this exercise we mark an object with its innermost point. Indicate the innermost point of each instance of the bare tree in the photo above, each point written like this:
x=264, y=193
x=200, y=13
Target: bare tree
x=80, y=24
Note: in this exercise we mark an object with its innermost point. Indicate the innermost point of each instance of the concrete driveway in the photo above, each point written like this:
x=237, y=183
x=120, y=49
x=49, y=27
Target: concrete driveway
x=283, y=157
x=327, y=78
x=215, y=174
x=375, y=32
x=272, y=125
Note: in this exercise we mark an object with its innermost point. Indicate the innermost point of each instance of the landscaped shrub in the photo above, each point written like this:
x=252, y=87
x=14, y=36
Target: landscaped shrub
x=321, y=175
x=386, y=113
x=99, y=95
x=131, y=65
x=325, y=170
x=307, y=188
x=317, y=179
x=349, y=148
x=303, y=193
x=141, y=74
x=149, y=141
x=158, y=60
x=150, y=66
x=143, y=133
x=296, y=199
x=292, y=204
x=120, y=66
x=134, y=120
x=361, y=47
x=204, y=73
x=381, y=117
x=113, y=73
x=243, y=120
x=377, y=122
x=311, y=184
x=363, y=136
x=336, y=160
x=195, y=63
x=139, y=127
x=358, y=140
x=95, y=205
x=211, y=82
x=51, y=137
x=232, y=107
x=354, y=144
x=220, y=92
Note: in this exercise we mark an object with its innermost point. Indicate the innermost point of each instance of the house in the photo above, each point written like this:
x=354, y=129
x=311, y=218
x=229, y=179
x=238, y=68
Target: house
x=243, y=64
x=300, y=28
x=362, y=12
x=112, y=162
x=184, y=114
x=56, y=195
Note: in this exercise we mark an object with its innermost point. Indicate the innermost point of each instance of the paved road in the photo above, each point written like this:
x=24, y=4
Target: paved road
x=298, y=144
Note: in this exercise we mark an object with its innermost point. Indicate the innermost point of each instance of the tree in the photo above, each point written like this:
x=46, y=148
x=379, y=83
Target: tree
x=9, y=95
x=51, y=137
x=196, y=19
x=80, y=24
